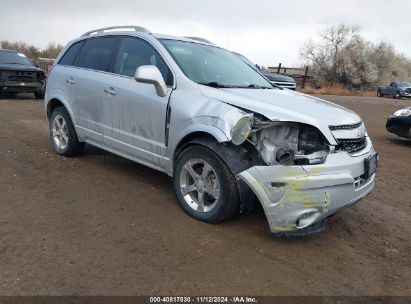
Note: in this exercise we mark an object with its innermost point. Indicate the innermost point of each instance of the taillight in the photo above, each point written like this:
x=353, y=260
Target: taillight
x=50, y=69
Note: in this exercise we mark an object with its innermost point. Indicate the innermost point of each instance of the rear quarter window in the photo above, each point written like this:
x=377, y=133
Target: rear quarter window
x=97, y=54
x=70, y=55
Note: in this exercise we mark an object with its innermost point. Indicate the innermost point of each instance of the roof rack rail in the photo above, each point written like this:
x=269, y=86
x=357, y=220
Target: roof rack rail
x=101, y=30
x=200, y=39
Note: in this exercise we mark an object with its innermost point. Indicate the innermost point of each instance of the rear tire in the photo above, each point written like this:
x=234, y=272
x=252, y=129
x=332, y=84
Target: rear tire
x=205, y=187
x=62, y=133
x=379, y=94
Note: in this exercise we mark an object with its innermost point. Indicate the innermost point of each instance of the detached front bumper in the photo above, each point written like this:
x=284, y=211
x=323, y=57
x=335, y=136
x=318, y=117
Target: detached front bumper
x=295, y=197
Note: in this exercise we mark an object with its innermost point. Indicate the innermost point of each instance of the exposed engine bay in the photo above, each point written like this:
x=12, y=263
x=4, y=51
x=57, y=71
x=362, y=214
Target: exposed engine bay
x=289, y=143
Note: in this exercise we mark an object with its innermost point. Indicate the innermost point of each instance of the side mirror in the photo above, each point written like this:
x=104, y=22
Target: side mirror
x=151, y=74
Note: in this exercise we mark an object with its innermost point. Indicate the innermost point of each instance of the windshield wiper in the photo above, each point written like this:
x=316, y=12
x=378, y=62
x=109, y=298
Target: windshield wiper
x=14, y=63
x=215, y=84
x=256, y=86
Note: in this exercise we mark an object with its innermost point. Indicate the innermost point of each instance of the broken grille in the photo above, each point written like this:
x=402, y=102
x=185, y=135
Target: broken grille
x=352, y=145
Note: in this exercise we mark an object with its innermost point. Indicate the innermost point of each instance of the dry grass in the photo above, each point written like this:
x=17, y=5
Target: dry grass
x=337, y=90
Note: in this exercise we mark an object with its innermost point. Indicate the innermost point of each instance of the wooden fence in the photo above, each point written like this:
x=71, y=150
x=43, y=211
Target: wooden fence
x=43, y=63
x=301, y=75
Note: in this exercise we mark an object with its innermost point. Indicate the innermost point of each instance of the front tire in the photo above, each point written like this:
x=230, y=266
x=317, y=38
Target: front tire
x=397, y=95
x=205, y=187
x=39, y=95
x=62, y=133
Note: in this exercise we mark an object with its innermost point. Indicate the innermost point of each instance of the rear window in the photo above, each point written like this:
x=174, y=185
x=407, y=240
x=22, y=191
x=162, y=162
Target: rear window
x=97, y=53
x=69, y=57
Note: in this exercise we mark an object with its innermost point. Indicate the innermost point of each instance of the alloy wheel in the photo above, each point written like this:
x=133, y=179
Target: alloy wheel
x=199, y=185
x=59, y=131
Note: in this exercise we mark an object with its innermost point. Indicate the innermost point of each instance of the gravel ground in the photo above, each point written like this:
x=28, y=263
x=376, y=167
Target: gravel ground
x=102, y=225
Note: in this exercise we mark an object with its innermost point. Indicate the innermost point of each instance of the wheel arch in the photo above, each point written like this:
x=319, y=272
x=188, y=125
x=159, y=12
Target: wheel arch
x=190, y=139
x=52, y=104
x=57, y=102
x=237, y=159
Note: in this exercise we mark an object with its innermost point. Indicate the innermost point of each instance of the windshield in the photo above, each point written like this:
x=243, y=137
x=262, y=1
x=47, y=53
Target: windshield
x=14, y=58
x=404, y=85
x=245, y=59
x=214, y=66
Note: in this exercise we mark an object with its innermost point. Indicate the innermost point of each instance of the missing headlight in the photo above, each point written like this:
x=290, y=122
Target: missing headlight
x=291, y=144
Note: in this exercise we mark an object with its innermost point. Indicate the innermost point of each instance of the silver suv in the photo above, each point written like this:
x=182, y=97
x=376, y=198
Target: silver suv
x=223, y=133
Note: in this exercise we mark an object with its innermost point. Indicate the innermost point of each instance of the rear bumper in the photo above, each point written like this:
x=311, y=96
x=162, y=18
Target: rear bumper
x=295, y=197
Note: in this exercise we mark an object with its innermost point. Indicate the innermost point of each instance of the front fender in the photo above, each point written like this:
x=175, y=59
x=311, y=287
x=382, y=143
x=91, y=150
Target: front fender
x=217, y=124
x=197, y=127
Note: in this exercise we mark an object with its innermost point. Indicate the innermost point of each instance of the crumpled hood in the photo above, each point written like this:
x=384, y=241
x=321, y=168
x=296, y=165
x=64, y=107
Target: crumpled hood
x=286, y=105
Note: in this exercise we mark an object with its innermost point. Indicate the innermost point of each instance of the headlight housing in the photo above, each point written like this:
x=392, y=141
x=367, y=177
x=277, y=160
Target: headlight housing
x=291, y=144
x=242, y=129
x=402, y=112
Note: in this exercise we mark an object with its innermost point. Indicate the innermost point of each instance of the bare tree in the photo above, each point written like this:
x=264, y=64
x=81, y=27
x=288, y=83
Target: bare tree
x=341, y=55
x=32, y=51
x=336, y=39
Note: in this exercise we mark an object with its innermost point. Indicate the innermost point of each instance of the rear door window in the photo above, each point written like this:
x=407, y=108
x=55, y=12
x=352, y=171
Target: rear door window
x=97, y=54
x=69, y=57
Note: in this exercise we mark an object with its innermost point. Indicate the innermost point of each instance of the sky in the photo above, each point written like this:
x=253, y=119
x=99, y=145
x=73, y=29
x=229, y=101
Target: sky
x=266, y=31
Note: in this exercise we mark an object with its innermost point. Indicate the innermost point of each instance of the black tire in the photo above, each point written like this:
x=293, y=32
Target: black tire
x=39, y=95
x=379, y=94
x=227, y=204
x=397, y=95
x=310, y=230
x=73, y=146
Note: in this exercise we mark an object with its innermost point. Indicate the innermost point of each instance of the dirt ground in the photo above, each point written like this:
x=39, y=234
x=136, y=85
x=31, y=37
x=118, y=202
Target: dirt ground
x=102, y=225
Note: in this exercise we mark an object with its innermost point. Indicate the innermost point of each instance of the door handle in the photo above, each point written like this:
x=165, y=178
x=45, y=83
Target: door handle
x=70, y=80
x=110, y=91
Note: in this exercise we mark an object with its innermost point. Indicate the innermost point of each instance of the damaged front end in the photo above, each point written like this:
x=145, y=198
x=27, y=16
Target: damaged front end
x=300, y=178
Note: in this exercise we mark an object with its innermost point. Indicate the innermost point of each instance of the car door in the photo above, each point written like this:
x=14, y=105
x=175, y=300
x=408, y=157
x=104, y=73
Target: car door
x=137, y=124
x=392, y=88
x=63, y=75
x=89, y=81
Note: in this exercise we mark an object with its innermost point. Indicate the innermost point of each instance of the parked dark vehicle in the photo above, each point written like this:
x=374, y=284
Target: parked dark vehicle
x=280, y=80
x=19, y=75
x=395, y=89
x=399, y=123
